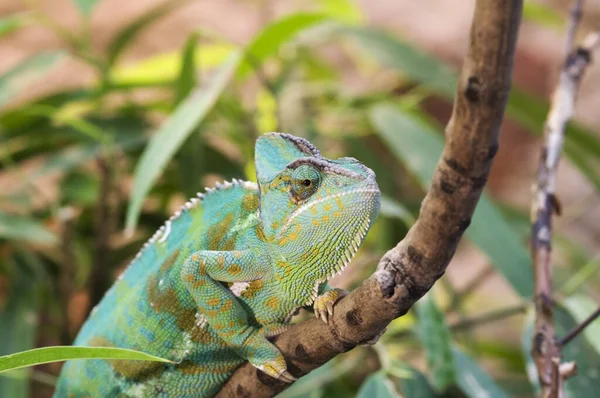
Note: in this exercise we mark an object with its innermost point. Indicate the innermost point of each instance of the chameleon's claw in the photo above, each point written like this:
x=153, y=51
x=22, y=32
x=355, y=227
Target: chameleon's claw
x=286, y=377
x=329, y=308
x=323, y=316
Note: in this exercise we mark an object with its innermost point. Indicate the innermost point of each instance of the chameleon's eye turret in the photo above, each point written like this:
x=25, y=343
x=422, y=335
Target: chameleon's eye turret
x=305, y=182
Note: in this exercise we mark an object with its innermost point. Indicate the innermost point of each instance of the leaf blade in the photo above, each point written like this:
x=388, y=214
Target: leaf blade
x=171, y=135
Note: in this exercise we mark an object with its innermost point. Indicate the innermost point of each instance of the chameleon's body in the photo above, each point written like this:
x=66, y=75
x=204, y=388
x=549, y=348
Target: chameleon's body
x=226, y=272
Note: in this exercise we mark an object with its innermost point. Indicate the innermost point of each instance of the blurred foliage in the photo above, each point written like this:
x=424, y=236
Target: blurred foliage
x=80, y=164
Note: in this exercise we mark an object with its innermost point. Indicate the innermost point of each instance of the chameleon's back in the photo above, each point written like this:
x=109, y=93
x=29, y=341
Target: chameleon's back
x=149, y=310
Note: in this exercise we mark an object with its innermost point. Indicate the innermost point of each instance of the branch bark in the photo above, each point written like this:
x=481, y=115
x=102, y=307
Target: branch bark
x=408, y=271
x=546, y=349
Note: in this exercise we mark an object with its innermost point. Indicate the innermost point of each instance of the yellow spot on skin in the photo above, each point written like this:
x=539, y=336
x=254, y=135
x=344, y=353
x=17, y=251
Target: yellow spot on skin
x=227, y=305
x=202, y=267
x=195, y=257
x=253, y=288
x=293, y=236
x=238, y=254
x=313, y=210
x=337, y=213
x=327, y=207
x=298, y=227
x=214, y=301
x=338, y=201
x=216, y=234
x=272, y=302
x=275, y=225
x=325, y=219
x=260, y=234
x=316, y=223
x=250, y=202
x=235, y=269
x=221, y=261
x=211, y=314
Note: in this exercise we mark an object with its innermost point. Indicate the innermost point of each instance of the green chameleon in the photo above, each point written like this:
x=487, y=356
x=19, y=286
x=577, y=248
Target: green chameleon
x=227, y=272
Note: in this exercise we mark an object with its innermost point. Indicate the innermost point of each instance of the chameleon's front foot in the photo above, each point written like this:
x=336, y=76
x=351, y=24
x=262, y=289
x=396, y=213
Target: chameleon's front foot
x=323, y=304
x=281, y=374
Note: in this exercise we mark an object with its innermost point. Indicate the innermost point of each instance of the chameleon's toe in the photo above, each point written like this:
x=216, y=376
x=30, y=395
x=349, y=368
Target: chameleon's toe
x=277, y=370
x=323, y=305
x=286, y=377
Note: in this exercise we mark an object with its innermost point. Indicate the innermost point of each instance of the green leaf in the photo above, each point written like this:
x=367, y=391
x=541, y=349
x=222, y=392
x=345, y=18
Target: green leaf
x=581, y=307
x=19, y=318
x=125, y=37
x=391, y=208
x=42, y=355
x=343, y=10
x=271, y=38
x=436, y=338
x=413, y=383
x=472, y=380
x=12, y=23
x=26, y=229
x=542, y=14
x=377, y=385
x=419, y=148
x=172, y=134
x=409, y=60
x=85, y=7
x=187, y=76
x=23, y=74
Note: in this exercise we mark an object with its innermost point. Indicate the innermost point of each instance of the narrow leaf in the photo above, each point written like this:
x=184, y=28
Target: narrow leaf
x=187, y=76
x=391, y=208
x=419, y=148
x=26, y=229
x=173, y=133
x=39, y=356
x=23, y=74
x=12, y=23
x=85, y=7
x=436, y=338
x=377, y=385
x=271, y=38
x=473, y=381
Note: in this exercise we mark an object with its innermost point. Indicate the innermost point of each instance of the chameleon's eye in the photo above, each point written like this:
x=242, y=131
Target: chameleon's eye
x=305, y=181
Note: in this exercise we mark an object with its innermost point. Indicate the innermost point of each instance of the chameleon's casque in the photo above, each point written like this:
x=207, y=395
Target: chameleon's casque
x=227, y=271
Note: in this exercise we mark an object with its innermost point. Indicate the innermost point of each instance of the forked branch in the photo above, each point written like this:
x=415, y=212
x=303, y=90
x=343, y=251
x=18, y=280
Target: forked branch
x=546, y=350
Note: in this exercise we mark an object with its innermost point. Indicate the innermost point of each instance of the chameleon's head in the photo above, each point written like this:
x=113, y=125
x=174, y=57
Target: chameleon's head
x=315, y=212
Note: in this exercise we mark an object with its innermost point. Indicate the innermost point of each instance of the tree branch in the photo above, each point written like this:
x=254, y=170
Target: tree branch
x=408, y=271
x=579, y=328
x=545, y=349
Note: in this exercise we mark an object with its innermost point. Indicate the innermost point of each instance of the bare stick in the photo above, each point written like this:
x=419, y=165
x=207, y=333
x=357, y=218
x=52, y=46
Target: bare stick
x=407, y=272
x=545, y=350
x=578, y=329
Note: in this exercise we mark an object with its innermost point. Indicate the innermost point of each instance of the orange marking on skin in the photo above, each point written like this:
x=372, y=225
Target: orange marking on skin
x=253, y=288
x=313, y=210
x=214, y=301
x=202, y=268
x=298, y=227
x=211, y=313
x=316, y=222
x=190, y=278
x=338, y=201
x=195, y=257
x=337, y=213
x=238, y=254
x=260, y=234
x=250, y=202
x=221, y=261
x=275, y=225
x=272, y=302
x=325, y=218
x=327, y=207
x=234, y=269
x=227, y=305
x=293, y=236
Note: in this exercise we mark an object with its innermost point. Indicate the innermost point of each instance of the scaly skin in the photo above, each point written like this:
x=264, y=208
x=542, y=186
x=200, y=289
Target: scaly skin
x=226, y=272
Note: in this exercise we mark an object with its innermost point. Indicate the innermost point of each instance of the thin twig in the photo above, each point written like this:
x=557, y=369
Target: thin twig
x=545, y=350
x=578, y=329
x=575, y=14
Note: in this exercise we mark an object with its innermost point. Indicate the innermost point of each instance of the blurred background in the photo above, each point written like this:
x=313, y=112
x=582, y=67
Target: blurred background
x=113, y=113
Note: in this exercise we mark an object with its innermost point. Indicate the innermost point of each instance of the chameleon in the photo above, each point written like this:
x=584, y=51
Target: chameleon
x=226, y=273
